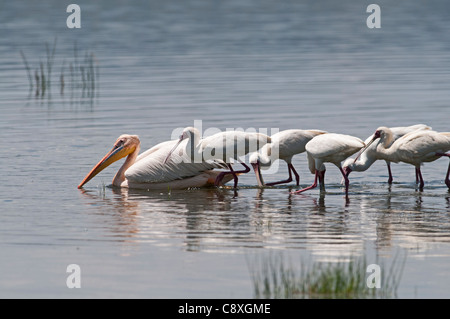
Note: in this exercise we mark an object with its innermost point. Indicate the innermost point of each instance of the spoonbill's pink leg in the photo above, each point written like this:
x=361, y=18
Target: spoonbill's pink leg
x=291, y=170
x=390, y=179
x=322, y=180
x=347, y=182
x=297, y=177
x=314, y=185
x=232, y=171
x=447, y=177
x=419, y=177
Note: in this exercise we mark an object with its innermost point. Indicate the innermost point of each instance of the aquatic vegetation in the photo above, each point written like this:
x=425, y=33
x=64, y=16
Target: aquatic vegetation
x=83, y=73
x=274, y=278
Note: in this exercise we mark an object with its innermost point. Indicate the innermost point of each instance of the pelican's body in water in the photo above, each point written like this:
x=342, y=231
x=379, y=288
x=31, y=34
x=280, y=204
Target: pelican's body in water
x=151, y=170
x=223, y=147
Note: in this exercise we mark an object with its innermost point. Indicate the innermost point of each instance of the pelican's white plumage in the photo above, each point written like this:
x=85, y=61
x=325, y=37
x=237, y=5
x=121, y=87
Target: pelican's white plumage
x=223, y=147
x=151, y=167
x=150, y=170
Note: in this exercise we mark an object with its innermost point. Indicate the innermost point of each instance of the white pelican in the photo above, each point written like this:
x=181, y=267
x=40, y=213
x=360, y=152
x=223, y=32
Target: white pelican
x=222, y=147
x=284, y=145
x=149, y=170
x=371, y=155
x=414, y=148
x=330, y=148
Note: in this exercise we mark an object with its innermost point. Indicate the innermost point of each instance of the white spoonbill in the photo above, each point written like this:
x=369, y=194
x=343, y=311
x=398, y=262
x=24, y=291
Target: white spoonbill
x=149, y=170
x=223, y=147
x=414, y=148
x=284, y=145
x=371, y=155
x=330, y=148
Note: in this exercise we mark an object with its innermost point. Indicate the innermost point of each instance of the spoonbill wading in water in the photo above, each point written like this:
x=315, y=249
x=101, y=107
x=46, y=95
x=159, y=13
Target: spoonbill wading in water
x=371, y=155
x=284, y=145
x=330, y=148
x=223, y=147
x=151, y=170
x=414, y=148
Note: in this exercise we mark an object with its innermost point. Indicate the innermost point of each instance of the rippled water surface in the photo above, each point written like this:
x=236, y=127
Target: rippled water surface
x=149, y=68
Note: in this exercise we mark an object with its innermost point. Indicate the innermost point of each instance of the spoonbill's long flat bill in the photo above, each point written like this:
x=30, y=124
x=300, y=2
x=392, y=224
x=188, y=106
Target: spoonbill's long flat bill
x=330, y=148
x=371, y=155
x=151, y=170
x=284, y=145
x=414, y=148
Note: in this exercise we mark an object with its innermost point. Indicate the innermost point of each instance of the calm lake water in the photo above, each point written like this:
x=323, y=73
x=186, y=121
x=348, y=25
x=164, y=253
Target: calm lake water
x=157, y=66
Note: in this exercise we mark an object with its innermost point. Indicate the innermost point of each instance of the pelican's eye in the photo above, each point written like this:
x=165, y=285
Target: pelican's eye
x=119, y=143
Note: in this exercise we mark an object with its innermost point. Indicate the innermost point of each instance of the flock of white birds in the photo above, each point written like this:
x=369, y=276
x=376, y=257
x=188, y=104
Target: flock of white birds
x=192, y=161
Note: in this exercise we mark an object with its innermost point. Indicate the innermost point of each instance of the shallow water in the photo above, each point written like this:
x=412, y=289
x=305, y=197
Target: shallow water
x=239, y=64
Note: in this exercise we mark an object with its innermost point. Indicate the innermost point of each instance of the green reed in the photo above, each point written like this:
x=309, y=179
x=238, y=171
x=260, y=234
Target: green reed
x=274, y=278
x=83, y=73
